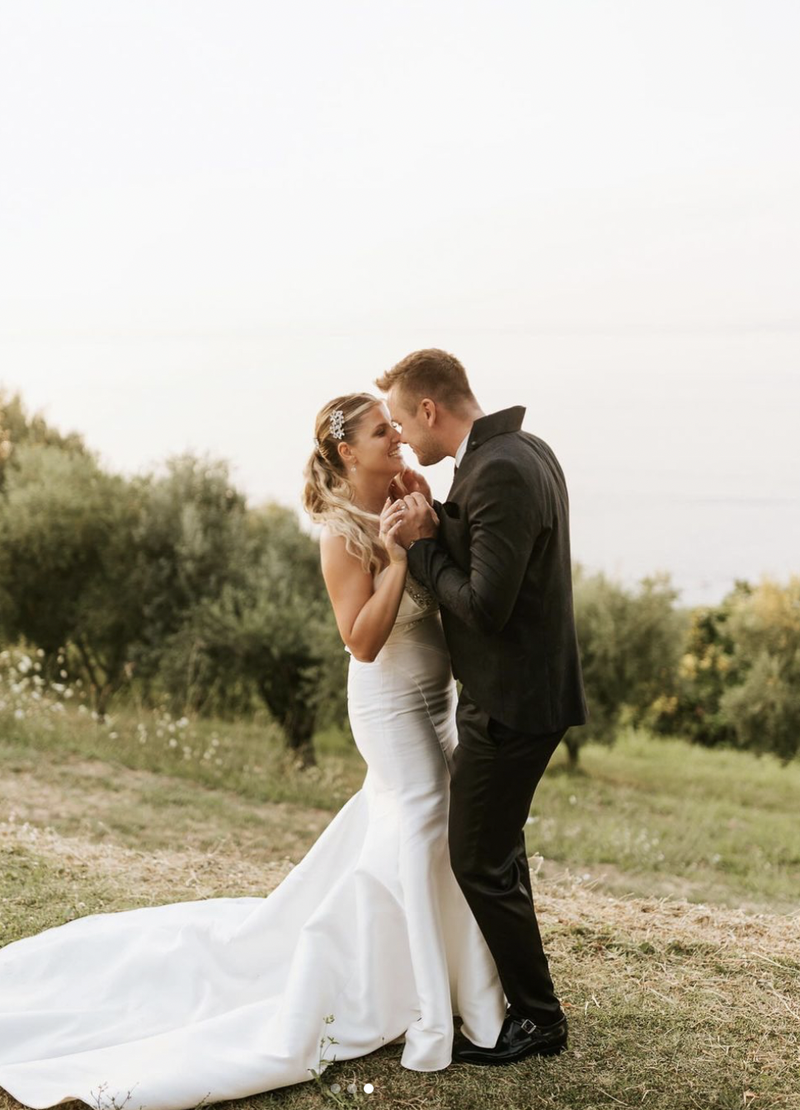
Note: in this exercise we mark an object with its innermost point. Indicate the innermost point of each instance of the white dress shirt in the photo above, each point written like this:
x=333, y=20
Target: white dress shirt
x=462, y=447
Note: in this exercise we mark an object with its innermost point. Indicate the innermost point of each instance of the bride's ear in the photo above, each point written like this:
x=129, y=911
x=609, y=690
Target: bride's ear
x=346, y=454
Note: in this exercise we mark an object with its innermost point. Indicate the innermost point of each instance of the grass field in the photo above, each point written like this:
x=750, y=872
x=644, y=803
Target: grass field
x=666, y=877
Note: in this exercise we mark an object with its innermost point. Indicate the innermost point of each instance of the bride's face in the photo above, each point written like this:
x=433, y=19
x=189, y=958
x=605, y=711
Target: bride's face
x=377, y=444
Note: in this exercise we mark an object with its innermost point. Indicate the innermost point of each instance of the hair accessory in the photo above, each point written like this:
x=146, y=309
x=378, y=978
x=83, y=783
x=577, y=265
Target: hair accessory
x=337, y=424
x=316, y=443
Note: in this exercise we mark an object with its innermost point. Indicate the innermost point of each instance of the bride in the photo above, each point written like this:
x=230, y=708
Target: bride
x=164, y=1007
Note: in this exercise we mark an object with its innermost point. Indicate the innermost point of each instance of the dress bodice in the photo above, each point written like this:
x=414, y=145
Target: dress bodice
x=415, y=604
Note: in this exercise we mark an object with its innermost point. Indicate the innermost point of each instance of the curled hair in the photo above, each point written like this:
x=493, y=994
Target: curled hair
x=328, y=495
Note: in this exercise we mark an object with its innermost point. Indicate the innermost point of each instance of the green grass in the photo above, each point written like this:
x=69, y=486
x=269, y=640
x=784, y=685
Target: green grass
x=648, y=816
x=247, y=757
x=677, y=959
x=652, y=816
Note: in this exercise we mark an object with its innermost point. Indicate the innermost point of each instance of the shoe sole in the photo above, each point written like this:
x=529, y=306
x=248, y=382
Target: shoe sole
x=554, y=1050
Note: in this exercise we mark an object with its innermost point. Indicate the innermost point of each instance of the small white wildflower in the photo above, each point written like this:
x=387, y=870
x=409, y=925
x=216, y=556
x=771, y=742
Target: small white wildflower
x=19, y=714
x=113, y=735
x=173, y=743
x=368, y=1088
x=63, y=674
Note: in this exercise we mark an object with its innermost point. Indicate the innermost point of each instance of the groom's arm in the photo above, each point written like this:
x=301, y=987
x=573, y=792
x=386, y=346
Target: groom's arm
x=505, y=521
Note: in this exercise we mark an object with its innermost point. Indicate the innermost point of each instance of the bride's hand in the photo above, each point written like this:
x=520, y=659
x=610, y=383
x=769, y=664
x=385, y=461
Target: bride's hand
x=391, y=520
x=410, y=481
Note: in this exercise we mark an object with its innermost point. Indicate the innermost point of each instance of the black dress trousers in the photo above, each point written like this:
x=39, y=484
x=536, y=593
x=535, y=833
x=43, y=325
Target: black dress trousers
x=496, y=772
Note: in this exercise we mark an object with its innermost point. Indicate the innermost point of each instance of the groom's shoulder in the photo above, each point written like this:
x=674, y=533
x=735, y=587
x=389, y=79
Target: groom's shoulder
x=520, y=447
x=506, y=460
x=519, y=457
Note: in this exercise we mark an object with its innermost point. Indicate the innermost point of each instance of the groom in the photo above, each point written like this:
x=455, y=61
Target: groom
x=498, y=561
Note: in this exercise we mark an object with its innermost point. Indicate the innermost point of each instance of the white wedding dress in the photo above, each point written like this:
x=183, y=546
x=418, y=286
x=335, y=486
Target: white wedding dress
x=225, y=997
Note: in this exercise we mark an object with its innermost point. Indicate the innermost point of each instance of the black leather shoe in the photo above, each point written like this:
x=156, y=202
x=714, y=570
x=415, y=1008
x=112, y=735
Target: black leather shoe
x=518, y=1038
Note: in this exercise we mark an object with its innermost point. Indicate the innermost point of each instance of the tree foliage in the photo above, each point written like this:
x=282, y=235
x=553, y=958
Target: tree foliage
x=738, y=679
x=167, y=584
x=763, y=708
x=66, y=528
x=629, y=644
x=18, y=428
x=267, y=632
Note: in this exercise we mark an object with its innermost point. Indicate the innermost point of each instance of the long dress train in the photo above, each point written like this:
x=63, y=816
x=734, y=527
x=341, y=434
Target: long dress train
x=163, y=1007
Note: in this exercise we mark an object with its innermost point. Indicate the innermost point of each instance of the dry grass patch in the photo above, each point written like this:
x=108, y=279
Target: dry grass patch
x=96, y=801
x=152, y=877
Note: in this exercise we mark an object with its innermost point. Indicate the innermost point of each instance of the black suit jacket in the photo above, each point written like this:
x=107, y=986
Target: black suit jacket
x=500, y=569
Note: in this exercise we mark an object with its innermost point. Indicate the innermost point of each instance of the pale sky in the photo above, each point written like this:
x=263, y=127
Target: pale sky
x=214, y=217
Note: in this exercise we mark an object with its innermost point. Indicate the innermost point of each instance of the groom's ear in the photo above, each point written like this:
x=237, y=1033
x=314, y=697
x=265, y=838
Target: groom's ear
x=429, y=413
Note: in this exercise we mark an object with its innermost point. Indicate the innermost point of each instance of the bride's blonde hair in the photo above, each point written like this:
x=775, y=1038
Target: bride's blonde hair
x=328, y=496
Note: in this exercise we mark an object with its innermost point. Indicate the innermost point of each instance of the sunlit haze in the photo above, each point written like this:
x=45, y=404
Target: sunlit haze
x=215, y=217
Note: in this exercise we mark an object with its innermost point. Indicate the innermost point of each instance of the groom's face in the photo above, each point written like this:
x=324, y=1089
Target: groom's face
x=415, y=427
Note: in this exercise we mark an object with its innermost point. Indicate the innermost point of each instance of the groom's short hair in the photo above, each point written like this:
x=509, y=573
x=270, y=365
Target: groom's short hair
x=429, y=373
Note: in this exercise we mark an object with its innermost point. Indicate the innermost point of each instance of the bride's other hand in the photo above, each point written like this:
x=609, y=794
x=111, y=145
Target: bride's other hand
x=391, y=521
x=410, y=481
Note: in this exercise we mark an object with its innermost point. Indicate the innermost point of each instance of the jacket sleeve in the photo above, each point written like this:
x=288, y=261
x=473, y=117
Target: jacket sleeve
x=505, y=520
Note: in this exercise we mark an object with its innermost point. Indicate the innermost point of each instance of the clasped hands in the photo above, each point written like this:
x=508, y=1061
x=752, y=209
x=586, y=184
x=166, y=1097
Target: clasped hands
x=405, y=519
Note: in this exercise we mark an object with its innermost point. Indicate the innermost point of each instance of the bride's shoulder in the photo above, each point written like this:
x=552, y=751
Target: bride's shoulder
x=332, y=546
x=335, y=557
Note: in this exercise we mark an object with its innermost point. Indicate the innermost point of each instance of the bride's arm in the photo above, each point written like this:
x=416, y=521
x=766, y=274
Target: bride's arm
x=364, y=615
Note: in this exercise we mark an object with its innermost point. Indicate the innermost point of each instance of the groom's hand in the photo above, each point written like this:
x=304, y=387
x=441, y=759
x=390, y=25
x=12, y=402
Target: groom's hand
x=420, y=521
x=410, y=481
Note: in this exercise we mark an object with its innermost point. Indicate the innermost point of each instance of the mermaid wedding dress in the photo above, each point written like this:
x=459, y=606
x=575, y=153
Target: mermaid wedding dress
x=225, y=997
